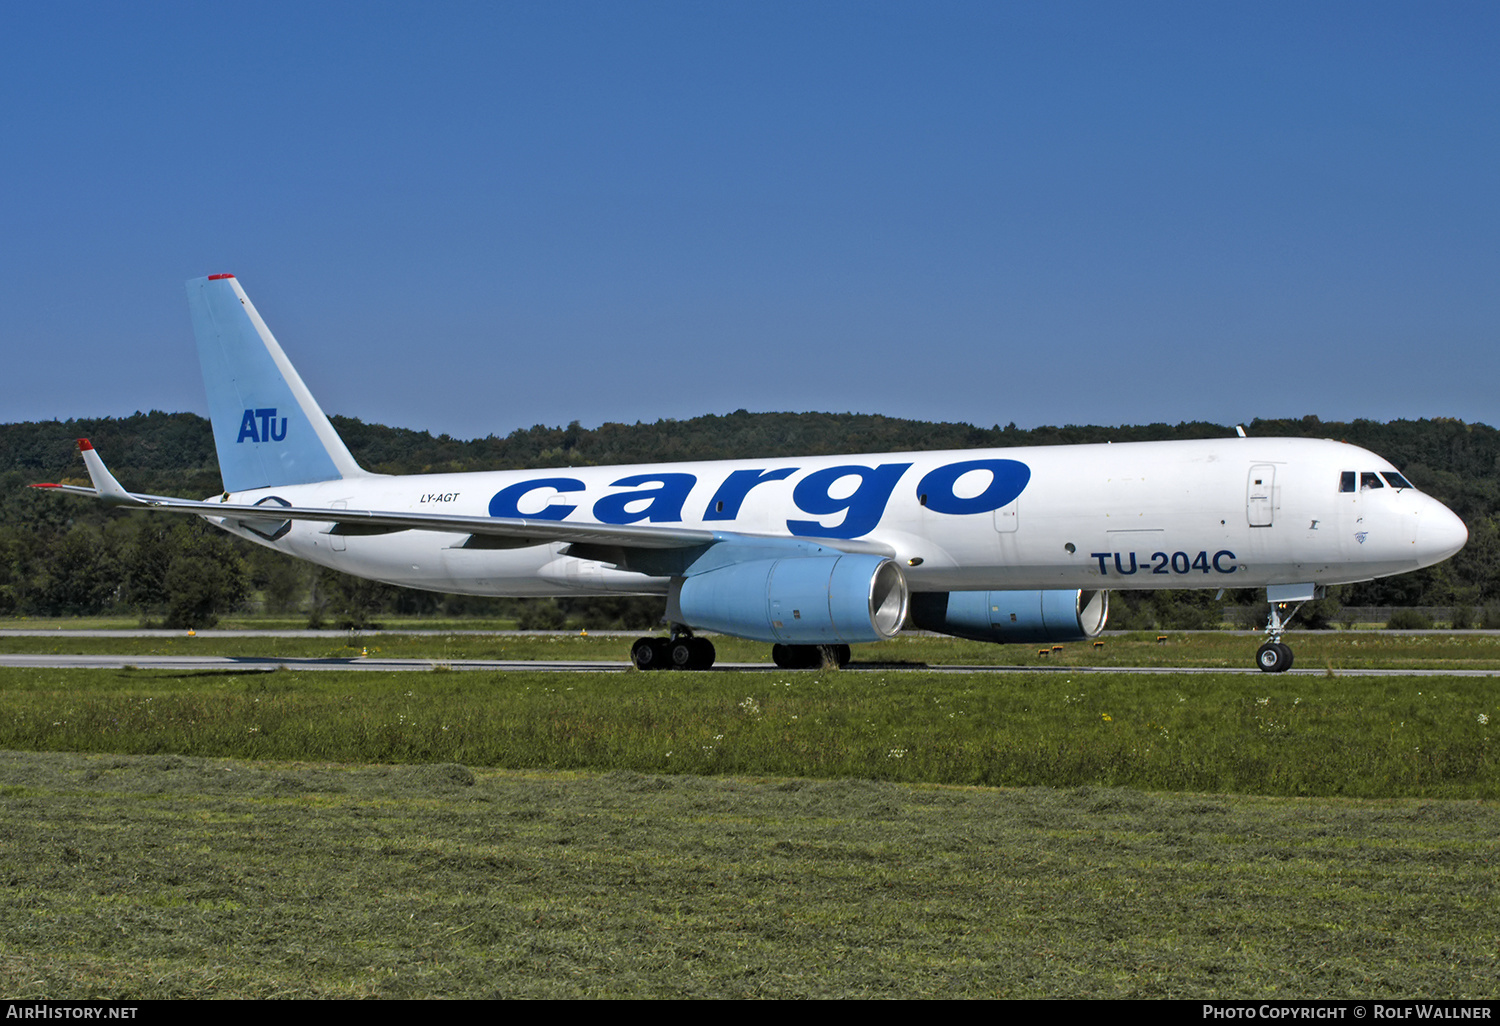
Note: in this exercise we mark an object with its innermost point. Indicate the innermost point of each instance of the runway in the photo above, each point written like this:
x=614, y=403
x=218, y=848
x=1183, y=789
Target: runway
x=376, y=664
x=268, y=664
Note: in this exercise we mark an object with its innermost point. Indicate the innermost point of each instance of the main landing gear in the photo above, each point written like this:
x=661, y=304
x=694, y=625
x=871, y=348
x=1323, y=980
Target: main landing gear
x=681, y=651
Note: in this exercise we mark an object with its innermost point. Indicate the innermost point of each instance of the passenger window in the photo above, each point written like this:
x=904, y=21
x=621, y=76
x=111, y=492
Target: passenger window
x=1346, y=481
x=1394, y=479
x=1369, y=479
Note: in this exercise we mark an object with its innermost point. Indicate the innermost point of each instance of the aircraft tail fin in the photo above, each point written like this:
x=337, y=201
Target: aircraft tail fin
x=268, y=429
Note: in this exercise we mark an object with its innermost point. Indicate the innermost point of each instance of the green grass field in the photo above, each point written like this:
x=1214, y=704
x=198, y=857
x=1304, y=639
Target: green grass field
x=1373, y=737
x=797, y=834
x=137, y=877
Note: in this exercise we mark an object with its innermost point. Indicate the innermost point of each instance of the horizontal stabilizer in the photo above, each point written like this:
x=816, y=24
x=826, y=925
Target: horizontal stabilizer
x=520, y=530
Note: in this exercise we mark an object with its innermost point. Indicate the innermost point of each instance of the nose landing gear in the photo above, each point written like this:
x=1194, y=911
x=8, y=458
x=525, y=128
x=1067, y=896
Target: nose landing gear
x=1286, y=600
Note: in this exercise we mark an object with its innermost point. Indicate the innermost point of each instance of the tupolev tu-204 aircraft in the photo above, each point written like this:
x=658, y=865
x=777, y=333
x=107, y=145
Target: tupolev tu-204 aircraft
x=810, y=554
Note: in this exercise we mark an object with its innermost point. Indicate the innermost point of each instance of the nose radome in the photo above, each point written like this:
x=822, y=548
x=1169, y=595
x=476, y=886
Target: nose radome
x=1440, y=534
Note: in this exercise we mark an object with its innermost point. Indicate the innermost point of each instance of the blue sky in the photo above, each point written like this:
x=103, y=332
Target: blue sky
x=469, y=218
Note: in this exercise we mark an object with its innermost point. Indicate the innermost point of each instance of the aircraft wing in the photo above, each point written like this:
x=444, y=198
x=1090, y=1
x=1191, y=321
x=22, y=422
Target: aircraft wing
x=507, y=532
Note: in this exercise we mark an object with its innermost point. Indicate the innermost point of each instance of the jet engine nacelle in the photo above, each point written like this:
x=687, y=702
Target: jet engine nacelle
x=1012, y=616
x=799, y=600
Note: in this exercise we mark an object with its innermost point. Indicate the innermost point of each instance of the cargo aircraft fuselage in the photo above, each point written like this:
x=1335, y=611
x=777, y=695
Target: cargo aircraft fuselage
x=810, y=554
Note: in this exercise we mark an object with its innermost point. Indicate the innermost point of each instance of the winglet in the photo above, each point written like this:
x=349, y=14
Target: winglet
x=104, y=482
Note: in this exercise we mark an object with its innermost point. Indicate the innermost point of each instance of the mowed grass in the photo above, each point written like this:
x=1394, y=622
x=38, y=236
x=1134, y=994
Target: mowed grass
x=134, y=877
x=891, y=833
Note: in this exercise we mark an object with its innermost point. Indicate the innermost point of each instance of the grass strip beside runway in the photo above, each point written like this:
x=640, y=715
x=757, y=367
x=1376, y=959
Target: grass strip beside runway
x=1369, y=737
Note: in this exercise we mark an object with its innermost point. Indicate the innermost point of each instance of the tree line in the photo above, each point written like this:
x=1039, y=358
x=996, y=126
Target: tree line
x=62, y=557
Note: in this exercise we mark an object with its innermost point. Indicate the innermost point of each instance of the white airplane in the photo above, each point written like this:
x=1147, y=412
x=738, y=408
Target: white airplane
x=810, y=554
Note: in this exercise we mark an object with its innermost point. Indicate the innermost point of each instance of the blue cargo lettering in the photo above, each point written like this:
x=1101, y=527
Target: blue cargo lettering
x=862, y=510
x=267, y=432
x=1008, y=479
x=725, y=505
x=507, y=501
x=665, y=505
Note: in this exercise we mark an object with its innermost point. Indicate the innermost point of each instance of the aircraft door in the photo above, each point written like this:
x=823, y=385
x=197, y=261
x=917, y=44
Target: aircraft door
x=1005, y=518
x=1260, y=495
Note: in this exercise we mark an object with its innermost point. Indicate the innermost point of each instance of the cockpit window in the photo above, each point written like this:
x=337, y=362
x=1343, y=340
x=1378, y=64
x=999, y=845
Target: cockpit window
x=1394, y=479
x=1346, y=481
x=1369, y=479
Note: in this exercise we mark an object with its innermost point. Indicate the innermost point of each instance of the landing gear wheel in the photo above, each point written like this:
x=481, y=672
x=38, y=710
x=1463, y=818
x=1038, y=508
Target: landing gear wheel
x=703, y=654
x=649, y=654
x=796, y=657
x=810, y=657
x=1274, y=657
x=683, y=652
